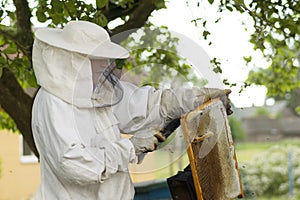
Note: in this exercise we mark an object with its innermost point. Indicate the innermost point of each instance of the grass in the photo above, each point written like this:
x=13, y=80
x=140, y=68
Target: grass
x=271, y=198
x=177, y=165
x=246, y=151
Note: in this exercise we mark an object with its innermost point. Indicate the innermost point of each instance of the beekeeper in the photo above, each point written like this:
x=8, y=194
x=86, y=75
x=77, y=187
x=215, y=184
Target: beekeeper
x=82, y=107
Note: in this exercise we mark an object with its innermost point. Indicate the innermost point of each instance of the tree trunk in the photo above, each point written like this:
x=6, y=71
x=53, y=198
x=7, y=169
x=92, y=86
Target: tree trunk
x=18, y=105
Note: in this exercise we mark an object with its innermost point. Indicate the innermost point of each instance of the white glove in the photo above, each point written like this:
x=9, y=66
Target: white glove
x=222, y=94
x=143, y=143
x=177, y=102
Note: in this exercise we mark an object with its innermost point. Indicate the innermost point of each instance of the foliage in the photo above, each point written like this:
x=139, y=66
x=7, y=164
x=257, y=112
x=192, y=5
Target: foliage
x=16, y=46
x=237, y=130
x=275, y=24
x=60, y=12
x=12, y=57
x=101, y=12
x=54, y=13
x=155, y=54
x=274, y=32
x=7, y=122
x=277, y=36
x=262, y=111
x=12, y=54
x=298, y=110
x=268, y=173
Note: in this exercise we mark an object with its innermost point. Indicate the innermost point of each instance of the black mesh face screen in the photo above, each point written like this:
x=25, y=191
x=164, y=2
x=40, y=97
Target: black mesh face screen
x=108, y=90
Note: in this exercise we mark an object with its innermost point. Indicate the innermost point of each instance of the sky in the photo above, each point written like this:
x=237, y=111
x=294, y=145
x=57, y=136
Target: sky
x=229, y=43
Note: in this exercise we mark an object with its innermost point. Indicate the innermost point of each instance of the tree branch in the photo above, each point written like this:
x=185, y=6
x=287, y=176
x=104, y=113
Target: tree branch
x=8, y=34
x=24, y=32
x=113, y=11
x=137, y=19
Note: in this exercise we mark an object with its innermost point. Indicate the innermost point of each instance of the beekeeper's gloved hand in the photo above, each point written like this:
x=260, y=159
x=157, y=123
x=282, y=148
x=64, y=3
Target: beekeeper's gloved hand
x=145, y=142
x=212, y=93
x=159, y=136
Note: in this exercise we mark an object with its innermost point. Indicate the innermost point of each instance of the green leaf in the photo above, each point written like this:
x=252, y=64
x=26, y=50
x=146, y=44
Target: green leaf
x=216, y=64
x=225, y=82
x=205, y=34
x=6, y=122
x=229, y=8
x=217, y=69
x=101, y=20
x=211, y=1
x=101, y=3
x=120, y=63
x=57, y=6
x=10, y=50
x=32, y=81
x=2, y=60
x=41, y=16
x=247, y=59
x=71, y=6
x=12, y=15
x=57, y=18
x=160, y=4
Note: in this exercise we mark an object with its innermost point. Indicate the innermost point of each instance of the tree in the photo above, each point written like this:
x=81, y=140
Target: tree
x=16, y=40
x=276, y=34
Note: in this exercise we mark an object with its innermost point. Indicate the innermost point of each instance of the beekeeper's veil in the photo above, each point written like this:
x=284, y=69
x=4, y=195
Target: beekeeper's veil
x=62, y=64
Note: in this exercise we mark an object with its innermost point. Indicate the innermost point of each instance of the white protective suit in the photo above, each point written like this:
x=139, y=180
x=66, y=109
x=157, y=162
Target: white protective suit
x=82, y=155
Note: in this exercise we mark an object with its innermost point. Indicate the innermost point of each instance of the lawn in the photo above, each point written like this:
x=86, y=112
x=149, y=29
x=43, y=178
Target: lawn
x=245, y=151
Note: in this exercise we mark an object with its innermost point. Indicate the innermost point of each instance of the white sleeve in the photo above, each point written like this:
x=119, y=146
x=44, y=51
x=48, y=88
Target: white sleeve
x=69, y=158
x=149, y=108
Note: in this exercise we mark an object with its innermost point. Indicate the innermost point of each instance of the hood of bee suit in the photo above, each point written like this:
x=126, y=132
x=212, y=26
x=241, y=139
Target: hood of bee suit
x=61, y=62
x=65, y=74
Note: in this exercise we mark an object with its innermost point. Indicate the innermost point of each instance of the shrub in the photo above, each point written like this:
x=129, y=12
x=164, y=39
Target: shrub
x=268, y=173
x=237, y=131
x=262, y=111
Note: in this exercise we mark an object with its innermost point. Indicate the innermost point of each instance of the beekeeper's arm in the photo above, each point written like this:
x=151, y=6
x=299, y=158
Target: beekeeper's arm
x=145, y=108
x=62, y=147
